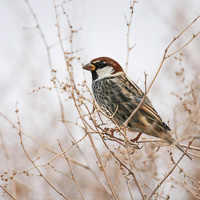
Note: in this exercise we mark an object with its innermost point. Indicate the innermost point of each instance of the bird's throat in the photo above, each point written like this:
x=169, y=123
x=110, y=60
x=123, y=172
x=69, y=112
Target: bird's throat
x=94, y=75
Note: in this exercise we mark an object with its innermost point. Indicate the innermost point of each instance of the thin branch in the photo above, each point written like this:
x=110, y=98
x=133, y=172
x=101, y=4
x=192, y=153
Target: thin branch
x=74, y=143
x=10, y=165
x=103, y=167
x=194, y=36
x=29, y=158
x=73, y=177
x=128, y=34
x=159, y=185
x=129, y=170
x=7, y=192
x=166, y=50
x=88, y=163
x=48, y=55
x=41, y=144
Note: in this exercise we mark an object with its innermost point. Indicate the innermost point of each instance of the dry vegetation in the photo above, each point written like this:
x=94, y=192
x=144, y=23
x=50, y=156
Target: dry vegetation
x=88, y=161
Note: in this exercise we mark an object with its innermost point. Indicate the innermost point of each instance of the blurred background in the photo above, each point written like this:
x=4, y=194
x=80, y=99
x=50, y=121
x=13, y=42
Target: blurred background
x=101, y=31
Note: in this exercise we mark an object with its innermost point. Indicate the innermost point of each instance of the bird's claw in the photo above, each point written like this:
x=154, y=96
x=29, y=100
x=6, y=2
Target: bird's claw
x=136, y=138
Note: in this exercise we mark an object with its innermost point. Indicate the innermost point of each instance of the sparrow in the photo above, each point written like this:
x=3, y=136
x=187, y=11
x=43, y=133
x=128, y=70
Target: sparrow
x=119, y=96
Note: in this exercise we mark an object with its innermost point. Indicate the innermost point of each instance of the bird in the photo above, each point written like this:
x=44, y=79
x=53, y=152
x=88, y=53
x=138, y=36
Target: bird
x=118, y=96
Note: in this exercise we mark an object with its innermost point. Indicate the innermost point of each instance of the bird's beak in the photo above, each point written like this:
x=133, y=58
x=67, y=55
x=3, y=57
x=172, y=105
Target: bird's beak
x=89, y=67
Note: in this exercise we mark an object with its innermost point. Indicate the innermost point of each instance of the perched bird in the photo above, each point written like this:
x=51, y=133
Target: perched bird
x=117, y=95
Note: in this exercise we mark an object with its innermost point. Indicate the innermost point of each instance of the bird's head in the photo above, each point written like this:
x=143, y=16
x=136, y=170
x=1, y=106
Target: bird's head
x=103, y=67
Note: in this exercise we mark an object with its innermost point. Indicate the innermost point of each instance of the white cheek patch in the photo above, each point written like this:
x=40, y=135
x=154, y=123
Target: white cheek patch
x=104, y=72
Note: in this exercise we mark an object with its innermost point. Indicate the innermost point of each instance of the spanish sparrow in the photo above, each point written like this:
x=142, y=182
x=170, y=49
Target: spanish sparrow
x=116, y=94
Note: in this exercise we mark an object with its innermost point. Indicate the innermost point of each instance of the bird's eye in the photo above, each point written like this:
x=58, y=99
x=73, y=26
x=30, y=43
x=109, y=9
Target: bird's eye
x=101, y=64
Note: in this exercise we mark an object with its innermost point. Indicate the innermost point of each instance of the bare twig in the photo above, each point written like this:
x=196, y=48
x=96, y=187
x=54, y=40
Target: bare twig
x=27, y=155
x=166, y=50
x=129, y=170
x=72, y=174
x=194, y=36
x=10, y=165
x=103, y=168
x=170, y=172
x=41, y=144
x=6, y=191
x=48, y=54
x=128, y=33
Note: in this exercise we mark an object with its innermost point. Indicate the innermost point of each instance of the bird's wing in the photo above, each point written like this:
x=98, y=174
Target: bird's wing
x=148, y=107
x=137, y=95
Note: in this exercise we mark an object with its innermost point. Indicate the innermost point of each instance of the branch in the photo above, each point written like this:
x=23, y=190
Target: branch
x=29, y=158
x=48, y=55
x=166, y=50
x=194, y=36
x=128, y=34
x=159, y=185
x=7, y=192
x=129, y=170
x=71, y=171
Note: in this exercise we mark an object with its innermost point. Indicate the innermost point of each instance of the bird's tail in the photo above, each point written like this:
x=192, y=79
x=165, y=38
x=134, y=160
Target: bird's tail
x=181, y=149
x=171, y=141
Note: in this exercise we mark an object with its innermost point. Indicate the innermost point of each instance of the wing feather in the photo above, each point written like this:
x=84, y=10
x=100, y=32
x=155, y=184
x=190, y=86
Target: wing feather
x=137, y=95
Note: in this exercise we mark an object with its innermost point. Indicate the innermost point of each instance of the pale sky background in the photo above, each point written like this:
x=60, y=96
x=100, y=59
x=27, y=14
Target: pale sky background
x=24, y=64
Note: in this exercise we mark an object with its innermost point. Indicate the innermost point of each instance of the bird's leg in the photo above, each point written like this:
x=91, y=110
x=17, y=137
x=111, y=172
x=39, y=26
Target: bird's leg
x=112, y=137
x=136, y=138
x=112, y=130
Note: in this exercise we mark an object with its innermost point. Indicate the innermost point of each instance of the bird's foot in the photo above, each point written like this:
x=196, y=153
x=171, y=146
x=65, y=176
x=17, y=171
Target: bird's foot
x=112, y=137
x=112, y=130
x=136, y=138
